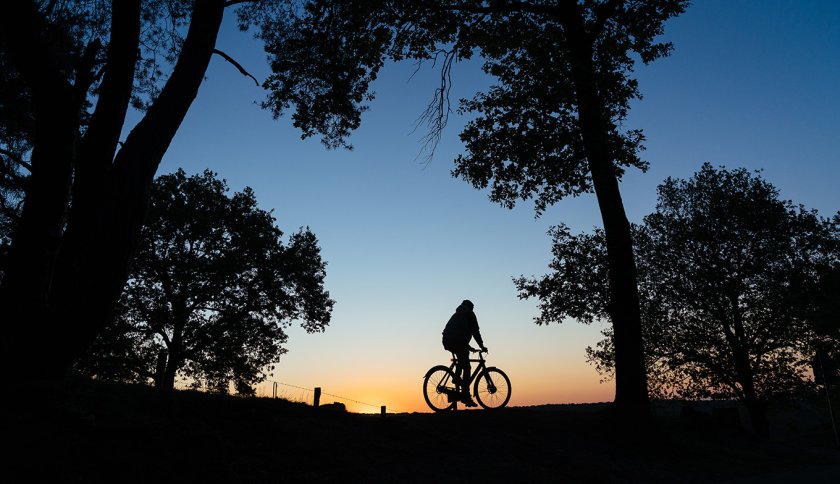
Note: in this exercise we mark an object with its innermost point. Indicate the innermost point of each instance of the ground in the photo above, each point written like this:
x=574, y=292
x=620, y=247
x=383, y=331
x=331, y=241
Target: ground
x=91, y=432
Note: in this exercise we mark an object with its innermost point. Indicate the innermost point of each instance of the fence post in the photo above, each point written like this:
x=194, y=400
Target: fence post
x=382, y=410
x=317, y=401
x=274, y=390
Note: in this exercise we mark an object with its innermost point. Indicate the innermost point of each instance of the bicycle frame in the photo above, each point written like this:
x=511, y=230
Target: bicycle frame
x=478, y=369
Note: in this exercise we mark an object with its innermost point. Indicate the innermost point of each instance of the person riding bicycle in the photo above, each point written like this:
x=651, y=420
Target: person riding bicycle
x=461, y=327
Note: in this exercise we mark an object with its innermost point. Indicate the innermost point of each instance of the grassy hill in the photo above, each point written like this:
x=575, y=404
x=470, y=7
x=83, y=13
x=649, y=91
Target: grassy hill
x=95, y=432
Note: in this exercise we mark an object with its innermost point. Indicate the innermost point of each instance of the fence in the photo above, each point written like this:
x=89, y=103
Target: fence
x=317, y=393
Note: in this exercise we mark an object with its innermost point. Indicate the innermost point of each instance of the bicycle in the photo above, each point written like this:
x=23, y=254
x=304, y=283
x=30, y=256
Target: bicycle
x=491, y=387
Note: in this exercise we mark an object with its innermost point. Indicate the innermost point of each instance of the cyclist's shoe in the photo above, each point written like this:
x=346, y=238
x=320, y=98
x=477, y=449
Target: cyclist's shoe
x=468, y=402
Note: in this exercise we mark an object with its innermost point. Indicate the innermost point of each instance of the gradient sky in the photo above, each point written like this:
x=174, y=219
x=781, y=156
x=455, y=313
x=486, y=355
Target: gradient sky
x=750, y=84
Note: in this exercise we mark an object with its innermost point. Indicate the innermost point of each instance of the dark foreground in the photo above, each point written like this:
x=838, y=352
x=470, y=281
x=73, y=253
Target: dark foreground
x=118, y=434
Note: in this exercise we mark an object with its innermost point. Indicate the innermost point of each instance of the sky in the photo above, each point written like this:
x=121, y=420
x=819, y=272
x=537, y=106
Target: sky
x=749, y=84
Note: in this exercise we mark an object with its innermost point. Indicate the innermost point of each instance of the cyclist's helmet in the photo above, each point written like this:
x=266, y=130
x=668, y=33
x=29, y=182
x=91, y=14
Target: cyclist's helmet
x=467, y=304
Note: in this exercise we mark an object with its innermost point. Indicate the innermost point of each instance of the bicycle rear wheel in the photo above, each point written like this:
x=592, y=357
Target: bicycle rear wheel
x=438, y=387
x=492, y=388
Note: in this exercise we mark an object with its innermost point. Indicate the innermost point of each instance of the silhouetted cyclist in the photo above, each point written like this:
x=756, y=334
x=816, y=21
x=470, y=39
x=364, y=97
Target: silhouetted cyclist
x=463, y=326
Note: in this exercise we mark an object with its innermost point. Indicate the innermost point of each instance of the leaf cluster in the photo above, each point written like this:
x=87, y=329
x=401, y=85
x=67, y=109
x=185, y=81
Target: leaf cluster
x=323, y=57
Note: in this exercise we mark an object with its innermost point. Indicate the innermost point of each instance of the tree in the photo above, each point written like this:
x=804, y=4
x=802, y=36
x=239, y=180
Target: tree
x=728, y=273
x=71, y=71
x=214, y=286
x=550, y=127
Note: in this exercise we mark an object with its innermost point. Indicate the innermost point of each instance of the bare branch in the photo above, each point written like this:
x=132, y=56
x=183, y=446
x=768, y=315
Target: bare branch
x=237, y=65
x=436, y=114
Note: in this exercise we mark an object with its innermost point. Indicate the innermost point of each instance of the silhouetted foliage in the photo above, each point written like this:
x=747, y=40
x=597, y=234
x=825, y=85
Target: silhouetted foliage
x=69, y=72
x=16, y=132
x=214, y=286
x=550, y=127
x=728, y=274
x=122, y=352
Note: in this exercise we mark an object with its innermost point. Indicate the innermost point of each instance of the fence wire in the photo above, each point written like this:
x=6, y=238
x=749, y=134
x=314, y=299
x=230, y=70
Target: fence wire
x=329, y=394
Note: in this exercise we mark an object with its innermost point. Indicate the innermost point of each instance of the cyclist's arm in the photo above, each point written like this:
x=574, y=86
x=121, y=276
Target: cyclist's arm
x=475, y=331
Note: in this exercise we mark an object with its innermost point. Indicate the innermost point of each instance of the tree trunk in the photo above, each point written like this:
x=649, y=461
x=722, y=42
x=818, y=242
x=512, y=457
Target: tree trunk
x=175, y=344
x=737, y=339
x=107, y=247
x=631, y=393
x=160, y=369
x=101, y=237
x=35, y=244
x=746, y=378
x=172, y=365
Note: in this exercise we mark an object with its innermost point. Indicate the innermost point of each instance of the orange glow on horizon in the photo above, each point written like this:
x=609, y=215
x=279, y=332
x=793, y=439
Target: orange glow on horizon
x=370, y=395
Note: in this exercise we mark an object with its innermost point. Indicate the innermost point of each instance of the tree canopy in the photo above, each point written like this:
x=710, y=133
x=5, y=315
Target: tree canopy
x=551, y=125
x=728, y=274
x=213, y=286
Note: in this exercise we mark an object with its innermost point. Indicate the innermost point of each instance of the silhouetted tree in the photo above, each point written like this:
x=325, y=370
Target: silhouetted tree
x=727, y=274
x=71, y=70
x=214, y=286
x=549, y=128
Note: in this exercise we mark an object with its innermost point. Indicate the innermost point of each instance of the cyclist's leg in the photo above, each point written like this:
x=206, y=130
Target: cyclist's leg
x=463, y=370
x=463, y=356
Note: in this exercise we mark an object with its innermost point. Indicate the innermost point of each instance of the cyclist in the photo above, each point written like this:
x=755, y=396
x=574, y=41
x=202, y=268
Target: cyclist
x=463, y=326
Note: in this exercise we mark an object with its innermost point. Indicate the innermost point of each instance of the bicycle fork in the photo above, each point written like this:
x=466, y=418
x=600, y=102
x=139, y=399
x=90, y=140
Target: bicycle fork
x=491, y=387
x=458, y=382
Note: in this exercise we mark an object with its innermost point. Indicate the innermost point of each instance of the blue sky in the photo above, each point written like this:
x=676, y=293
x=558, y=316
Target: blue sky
x=750, y=84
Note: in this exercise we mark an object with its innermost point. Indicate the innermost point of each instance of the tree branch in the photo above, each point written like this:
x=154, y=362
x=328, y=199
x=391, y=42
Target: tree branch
x=237, y=65
x=136, y=163
x=234, y=2
x=20, y=161
x=99, y=144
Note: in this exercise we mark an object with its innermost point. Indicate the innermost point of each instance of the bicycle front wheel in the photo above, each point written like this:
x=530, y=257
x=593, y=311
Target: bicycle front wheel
x=439, y=389
x=492, y=389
